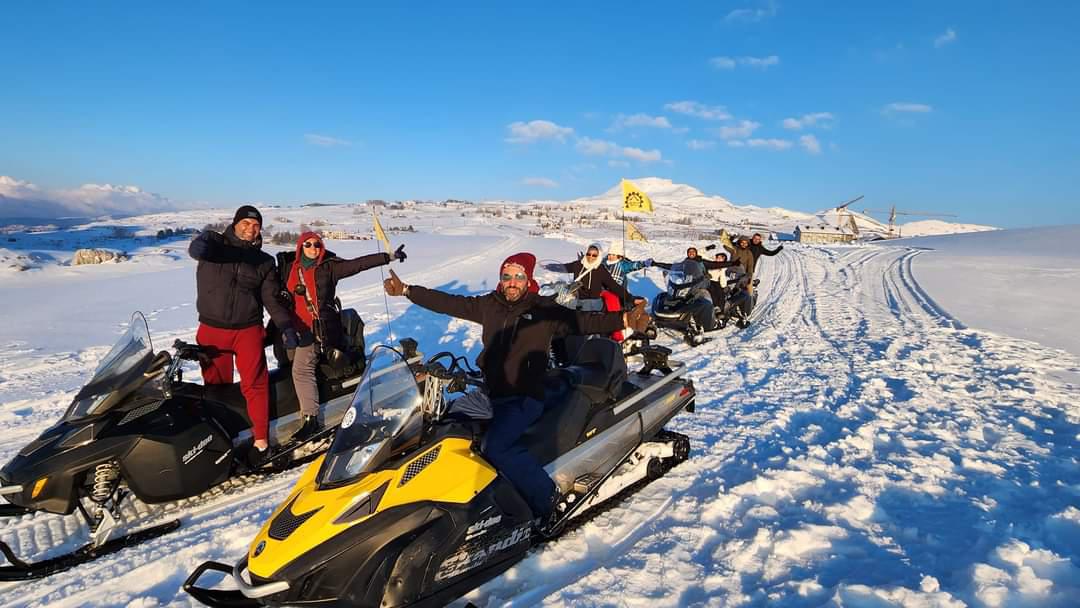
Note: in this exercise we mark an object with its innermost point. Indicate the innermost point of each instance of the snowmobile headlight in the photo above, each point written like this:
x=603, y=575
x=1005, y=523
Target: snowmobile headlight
x=39, y=485
x=363, y=505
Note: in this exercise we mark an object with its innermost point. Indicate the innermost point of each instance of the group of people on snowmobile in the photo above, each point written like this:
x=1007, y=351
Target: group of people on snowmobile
x=236, y=280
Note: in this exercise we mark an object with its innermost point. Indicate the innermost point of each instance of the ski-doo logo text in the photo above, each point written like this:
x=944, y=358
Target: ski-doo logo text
x=481, y=527
x=471, y=556
x=197, y=449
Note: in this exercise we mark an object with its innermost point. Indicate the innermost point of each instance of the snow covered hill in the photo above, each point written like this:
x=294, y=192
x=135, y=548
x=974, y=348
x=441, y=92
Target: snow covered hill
x=1020, y=283
x=863, y=443
x=933, y=227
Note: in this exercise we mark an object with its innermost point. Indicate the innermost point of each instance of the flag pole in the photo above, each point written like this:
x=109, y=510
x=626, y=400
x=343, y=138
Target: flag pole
x=380, y=236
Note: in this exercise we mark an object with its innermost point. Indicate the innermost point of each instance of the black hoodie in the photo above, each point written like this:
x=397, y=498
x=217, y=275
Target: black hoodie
x=235, y=279
x=517, y=335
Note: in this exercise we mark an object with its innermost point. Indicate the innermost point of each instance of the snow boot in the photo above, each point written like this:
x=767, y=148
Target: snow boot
x=309, y=428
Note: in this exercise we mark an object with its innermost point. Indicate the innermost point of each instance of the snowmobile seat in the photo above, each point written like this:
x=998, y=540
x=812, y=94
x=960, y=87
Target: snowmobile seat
x=597, y=368
x=559, y=428
x=226, y=403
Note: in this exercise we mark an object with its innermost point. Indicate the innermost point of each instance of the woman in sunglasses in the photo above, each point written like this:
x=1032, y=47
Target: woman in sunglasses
x=313, y=274
x=593, y=280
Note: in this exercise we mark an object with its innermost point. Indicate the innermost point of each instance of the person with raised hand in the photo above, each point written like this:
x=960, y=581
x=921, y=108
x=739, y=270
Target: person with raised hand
x=518, y=327
x=312, y=275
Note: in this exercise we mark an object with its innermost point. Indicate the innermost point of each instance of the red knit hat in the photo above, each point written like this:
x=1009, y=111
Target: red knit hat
x=526, y=261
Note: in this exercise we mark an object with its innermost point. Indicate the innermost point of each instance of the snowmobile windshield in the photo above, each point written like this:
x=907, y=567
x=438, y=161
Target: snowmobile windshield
x=683, y=277
x=118, y=370
x=385, y=418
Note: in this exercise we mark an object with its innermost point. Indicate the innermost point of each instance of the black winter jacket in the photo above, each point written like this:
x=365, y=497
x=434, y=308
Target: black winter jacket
x=595, y=281
x=517, y=335
x=234, y=280
x=759, y=250
x=327, y=274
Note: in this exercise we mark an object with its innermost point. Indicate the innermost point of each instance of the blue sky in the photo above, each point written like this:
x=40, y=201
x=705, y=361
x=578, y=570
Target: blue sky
x=965, y=107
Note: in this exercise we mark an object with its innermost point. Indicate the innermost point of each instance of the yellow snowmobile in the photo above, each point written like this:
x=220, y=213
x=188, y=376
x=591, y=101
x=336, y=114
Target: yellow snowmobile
x=404, y=511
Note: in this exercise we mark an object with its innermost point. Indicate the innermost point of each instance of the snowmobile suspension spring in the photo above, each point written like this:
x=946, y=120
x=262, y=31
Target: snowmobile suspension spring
x=105, y=475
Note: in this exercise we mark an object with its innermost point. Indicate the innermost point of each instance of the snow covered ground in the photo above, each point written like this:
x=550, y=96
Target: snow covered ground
x=1021, y=283
x=866, y=442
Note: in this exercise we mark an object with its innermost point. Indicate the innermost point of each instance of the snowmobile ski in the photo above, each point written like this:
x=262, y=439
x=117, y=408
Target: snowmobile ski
x=23, y=571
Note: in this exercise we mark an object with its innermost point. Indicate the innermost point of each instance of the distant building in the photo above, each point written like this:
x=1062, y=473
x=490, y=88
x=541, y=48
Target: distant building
x=823, y=234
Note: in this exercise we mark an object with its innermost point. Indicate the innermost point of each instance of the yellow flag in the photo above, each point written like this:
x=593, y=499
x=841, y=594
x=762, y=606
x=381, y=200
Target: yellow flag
x=725, y=240
x=633, y=234
x=634, y=199
x=379, y=234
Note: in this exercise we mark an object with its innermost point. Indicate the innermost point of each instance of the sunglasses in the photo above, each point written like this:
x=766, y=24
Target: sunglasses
x=310, y=244
x=592, y=255
x=514, y=277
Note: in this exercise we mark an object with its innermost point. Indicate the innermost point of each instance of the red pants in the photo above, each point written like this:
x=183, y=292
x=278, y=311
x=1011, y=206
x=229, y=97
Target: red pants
x=612, y=304
x=247, y=346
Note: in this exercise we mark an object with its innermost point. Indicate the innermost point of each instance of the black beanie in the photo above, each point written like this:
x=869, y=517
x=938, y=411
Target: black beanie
x=247, y=212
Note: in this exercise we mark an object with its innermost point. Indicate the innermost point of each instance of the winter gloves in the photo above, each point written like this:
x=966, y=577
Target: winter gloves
x=399, y=254
x=200, y=247
x=647, y=262
x=636, y=318
x=394, y=286
x=290, y=338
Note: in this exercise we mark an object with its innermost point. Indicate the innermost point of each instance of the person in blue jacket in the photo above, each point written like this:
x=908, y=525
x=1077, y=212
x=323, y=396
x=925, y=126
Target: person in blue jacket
x=618, y=266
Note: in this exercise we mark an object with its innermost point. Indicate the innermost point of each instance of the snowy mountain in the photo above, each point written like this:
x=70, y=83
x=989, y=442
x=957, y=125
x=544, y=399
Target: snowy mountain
x=23, y=200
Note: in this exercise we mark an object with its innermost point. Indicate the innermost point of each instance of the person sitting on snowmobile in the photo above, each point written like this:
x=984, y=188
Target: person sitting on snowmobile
x=748, y=255
x=518, y=326
x=593, y=279
x=718, y=277
x=234, y=280
x=310, y=284
x=618, y=266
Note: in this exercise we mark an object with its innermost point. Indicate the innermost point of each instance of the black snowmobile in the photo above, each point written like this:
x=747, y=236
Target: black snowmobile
x=137, y=429
x=421, y=518
x=565, y=294
x=686, y=307
x=732, y=302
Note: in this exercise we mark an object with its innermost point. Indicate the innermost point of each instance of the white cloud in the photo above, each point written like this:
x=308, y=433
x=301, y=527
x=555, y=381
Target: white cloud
x=600, y=147
x=700, y=144
x=645, y=156
x=741, y=130
x=806, y=120
x=595, y=147
x=698, y=110
x=621, y=164
x=729, y=63
x=736, y=143
x=536, y=130
x=759, y=62
x=752, y=15
x=770, y=144
x=540, y=182
x=906, y=107
x=325, y=141
x=811, y=143
x=24, y=199
x=641, y=120
x=722, y=63
x=947, y=38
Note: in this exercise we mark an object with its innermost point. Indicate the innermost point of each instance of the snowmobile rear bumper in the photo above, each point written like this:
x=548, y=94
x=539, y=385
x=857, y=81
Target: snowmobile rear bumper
x=247, y=596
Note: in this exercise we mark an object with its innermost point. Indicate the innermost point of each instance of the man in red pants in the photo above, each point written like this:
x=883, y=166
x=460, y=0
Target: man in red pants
x=235, y=279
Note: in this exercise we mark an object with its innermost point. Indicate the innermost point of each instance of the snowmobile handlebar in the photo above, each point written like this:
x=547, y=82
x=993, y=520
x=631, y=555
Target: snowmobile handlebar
x=457, y=375
x=190, y=352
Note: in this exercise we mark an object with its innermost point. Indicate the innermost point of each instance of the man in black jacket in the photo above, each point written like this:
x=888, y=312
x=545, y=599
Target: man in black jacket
x=235, y=279
x=518, y=326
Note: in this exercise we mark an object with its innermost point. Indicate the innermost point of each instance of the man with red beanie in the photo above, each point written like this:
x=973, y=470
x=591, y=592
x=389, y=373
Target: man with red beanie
x=234, y=280
x=518, y=326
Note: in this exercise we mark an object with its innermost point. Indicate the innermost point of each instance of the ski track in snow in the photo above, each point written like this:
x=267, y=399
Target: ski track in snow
x=855, y=446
